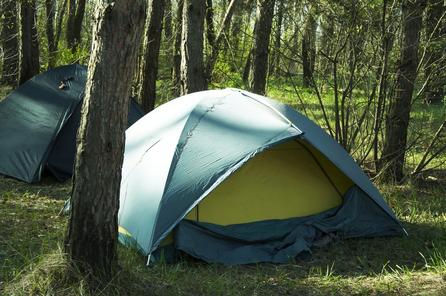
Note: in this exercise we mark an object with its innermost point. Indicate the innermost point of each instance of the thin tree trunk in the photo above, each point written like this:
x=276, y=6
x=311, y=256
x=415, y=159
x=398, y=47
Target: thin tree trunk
x=77, y=24
x=232, y=34
x=50, y=8
x=386, y=47
x=435, y=52
x=259, y=64
x=149, y=65
x=247, y=67
x=60, y=16
x=168, y=20
x=327, y=25
x=10, y=42
x=70, y=23
x=177, y=50
x=309, y=48
x=29, y=64
x=192, y=69
x=210, y=31
x=274, y=67
x=92, y=231
x=398, y=118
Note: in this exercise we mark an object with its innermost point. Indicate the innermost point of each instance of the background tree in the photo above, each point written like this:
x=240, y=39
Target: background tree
x=10, y=42
x=435, y=61
x=92, y=234
x=149, y=63
x=76, y=11
x=274, y=65
x=192, y=69
x=398, y=119
x=176, y=57
x=309, y=46
x=262, y=32
x=50, y=9
x=29, y=62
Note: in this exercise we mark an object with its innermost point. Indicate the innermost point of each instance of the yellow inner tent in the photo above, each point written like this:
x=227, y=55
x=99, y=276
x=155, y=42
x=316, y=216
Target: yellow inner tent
x=289, y=180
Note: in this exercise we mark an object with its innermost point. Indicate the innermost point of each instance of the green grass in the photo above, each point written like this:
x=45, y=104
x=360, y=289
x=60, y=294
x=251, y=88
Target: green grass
x=31, y=261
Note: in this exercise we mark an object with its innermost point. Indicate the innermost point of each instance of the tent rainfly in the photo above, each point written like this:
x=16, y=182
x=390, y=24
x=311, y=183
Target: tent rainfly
x=233, y=177
x=39, y=121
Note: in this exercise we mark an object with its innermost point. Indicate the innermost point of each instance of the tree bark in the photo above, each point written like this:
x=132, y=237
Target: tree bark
x=382, y=73
x=327, y=37
x=177, y=50
x=210, y=31
x=70, y=23
x=29, y=64
x=398, y=118
x=168, y=20
x=274, y=67
x=77, y=24
x=10, y=42
x=259, y=63
x=60, y=16
x=92, y=231
x=435, y=52
x=192, y=69
x=50, y=9
x=76, y=11
x=309, y=48
x=149, y=65
x=232, y=35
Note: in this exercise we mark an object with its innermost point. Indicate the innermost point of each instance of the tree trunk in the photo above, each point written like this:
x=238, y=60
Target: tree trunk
x=434, y=65
x=327, y=37
x=50, y=8
x=29, y=64
x=92, y=230
x=210, y=31
x=168, y=20
x=10, y=42
x=177, y=50
x=60, y=15
x=274, y=67
x=309, y=48
x=247, y=67
x=259, y=64
x=382, y=73
x=77, y=24
x=233, y=34
x=70, y=23
x=192, y=69
x=398, y=117
x=149, y=65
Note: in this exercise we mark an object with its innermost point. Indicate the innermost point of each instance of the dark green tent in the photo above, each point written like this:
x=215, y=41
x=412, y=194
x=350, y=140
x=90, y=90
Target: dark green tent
x=39, y=121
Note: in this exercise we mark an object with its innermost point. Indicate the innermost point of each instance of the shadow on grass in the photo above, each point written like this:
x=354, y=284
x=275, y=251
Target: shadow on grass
x=48, y=187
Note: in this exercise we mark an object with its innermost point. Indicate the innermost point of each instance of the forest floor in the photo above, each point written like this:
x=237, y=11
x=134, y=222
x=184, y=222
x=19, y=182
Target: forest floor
x=31, y=260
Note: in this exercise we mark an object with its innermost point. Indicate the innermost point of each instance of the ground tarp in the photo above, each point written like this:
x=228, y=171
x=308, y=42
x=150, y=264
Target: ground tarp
x=280, y=241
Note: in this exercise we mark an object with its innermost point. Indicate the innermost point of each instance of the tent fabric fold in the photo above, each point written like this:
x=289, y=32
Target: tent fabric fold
x=280, y=241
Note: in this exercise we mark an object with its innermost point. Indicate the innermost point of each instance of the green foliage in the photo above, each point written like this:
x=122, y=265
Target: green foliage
x=66, y=56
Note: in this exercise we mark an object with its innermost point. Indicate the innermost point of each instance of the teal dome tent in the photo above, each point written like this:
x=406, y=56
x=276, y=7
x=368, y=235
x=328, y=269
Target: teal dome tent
x=232, y=177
